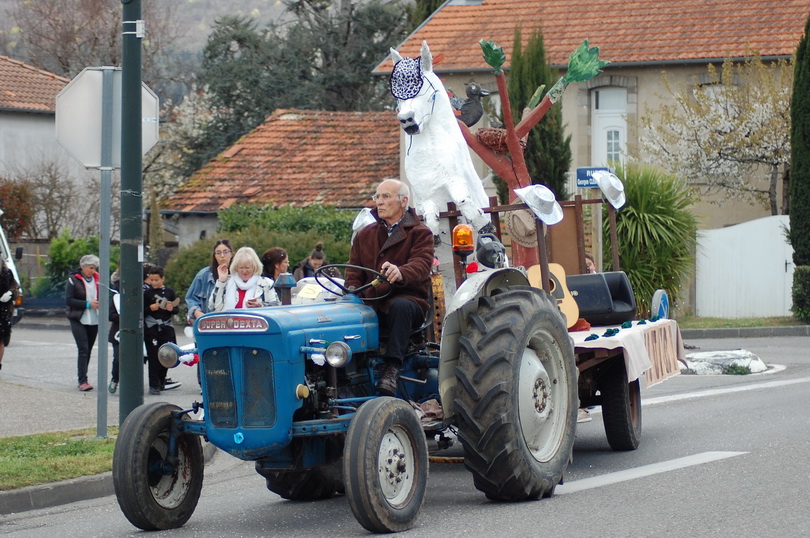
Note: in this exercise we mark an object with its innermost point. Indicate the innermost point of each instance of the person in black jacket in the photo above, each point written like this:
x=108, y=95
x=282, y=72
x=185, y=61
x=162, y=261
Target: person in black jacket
x=8, y=293
x=81, y=297
x=112, y=336
x=159, y=304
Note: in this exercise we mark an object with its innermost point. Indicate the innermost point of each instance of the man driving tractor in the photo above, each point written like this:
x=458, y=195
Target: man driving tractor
x=399, y=246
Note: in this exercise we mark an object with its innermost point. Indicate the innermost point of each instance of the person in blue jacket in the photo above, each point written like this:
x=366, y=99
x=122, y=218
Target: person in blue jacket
x=203, y=284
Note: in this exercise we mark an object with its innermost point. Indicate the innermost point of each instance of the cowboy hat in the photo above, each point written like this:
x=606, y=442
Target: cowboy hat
x=521, y=226
x=611, y=186
x=541, y=201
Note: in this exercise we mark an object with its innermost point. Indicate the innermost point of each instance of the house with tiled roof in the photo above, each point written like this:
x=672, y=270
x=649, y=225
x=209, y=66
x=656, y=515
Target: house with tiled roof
x=641, y=38
x=28, y=115
x=296, y=157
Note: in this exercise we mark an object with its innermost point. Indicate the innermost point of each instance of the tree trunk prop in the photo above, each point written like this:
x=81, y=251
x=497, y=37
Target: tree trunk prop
x=583, y=64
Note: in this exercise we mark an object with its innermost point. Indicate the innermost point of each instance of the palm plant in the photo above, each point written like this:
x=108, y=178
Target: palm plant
x=656, y=233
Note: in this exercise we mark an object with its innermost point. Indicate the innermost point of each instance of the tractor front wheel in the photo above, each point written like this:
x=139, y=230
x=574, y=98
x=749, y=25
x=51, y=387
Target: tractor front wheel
x=154, y=490
x=385, y=465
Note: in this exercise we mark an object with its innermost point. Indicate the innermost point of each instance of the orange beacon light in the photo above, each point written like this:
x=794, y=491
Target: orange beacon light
x=463, y=241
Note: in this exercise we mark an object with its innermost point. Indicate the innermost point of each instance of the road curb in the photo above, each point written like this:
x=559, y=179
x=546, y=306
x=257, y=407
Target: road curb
x=74, y=490
x=746, y=332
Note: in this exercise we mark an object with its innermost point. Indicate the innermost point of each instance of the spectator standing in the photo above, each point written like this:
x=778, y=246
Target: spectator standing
x=310, y=264
x=203, y=284
x=274, y=262
x=583, y=415
x=112, y=337
x=8, y=293
x=159, y=302
x=590, y=263
x=244, y=287
x=81, y=297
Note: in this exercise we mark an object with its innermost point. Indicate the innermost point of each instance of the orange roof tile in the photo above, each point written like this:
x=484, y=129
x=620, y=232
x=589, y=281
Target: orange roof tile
x=23, y=87
x=299, y=157
x=626, y=31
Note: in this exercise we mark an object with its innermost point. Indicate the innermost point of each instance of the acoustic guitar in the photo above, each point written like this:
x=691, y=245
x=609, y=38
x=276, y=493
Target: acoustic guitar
x=565, y=301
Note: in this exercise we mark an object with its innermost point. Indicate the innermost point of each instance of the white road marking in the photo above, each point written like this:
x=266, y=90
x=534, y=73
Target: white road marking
x=645, y=470
x=40, y=343
x=727, y=390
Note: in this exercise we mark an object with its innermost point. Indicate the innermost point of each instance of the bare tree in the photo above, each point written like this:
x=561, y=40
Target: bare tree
x=65, y=36
x=60, y=201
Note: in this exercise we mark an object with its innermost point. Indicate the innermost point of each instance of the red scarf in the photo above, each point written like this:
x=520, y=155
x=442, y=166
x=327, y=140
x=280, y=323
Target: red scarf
x=240, y=297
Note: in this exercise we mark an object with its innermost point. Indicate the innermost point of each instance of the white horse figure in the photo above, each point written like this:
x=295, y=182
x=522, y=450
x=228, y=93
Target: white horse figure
x=437, y=160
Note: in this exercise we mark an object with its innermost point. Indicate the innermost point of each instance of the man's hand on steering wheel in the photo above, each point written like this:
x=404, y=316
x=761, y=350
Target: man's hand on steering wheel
x=323, y=271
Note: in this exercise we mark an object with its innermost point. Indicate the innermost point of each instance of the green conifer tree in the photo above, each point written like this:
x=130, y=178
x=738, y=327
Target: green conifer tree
x=548, y=151
x=800, y=178
x=421, y=10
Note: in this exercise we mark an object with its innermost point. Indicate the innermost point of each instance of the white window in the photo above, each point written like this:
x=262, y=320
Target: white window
x=609, y=126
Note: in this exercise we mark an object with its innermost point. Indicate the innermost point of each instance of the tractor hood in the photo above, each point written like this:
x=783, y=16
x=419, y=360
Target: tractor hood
x=317, y=324
x=253, y=361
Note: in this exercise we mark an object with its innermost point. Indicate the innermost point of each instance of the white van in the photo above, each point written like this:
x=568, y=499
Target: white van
x=9, y=259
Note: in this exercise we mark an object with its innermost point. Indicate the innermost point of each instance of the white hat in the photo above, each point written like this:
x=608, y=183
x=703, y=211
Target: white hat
x=611, y=186
x=541, y=201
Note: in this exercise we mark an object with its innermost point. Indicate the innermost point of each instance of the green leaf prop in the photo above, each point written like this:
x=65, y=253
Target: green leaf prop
x=493, y=55
x=584, y=64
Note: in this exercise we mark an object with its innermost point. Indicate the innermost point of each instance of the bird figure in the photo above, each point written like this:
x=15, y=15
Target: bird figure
x=470, y=110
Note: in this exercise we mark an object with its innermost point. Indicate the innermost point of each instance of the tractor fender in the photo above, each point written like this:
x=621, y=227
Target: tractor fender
x=464, y=301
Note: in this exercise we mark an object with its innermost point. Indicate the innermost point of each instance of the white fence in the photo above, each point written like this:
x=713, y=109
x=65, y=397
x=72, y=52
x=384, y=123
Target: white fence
x=745, y=270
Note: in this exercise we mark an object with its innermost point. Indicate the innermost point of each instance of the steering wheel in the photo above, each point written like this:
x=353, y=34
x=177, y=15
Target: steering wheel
x=380, y=278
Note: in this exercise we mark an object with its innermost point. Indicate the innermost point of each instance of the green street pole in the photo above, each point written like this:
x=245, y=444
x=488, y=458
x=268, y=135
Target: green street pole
x=131, y=325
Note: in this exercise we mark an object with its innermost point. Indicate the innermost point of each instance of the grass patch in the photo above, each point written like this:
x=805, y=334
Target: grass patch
x=49, y=457
x=737, y=369
x=695, y=322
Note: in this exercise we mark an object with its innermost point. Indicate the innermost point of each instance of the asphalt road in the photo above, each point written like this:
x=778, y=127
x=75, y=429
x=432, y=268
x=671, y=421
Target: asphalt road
x=720, y=456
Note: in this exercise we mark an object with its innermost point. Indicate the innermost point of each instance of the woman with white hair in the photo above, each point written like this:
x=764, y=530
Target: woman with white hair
x=244, y=287
x=81, y=296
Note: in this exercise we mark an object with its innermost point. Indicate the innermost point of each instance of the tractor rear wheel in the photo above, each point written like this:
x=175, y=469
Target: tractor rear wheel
x=306, y=485
x=517, y=399
x=385, y=465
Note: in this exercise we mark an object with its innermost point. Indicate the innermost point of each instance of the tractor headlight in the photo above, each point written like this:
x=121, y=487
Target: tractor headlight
x=338, y=354
x=169, y=355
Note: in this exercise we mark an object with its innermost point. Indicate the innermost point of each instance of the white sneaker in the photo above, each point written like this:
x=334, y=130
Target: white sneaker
x=583, y=416
x=171, y=384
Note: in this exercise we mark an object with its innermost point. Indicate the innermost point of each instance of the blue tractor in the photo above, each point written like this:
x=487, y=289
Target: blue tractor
x=292, y=389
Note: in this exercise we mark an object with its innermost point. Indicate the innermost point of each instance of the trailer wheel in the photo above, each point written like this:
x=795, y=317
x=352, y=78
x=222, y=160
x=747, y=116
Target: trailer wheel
x=154, y=493
x=517, y=399
x=621, y=407
x=385, y=465
x=306, y=485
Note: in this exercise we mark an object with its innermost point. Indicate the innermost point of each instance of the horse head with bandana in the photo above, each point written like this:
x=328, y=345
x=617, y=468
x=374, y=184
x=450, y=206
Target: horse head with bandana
x=438, y=165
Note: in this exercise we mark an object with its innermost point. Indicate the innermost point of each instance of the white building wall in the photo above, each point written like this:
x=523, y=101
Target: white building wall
x=191, y=227
x=30, y=139
x=745, y=270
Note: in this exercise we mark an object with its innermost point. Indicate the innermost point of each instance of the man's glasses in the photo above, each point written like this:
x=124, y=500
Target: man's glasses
x=222, y=252
x=385, y=196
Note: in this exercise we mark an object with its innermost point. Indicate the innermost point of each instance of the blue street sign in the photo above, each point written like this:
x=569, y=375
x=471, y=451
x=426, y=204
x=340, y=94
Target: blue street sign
x=585, y=178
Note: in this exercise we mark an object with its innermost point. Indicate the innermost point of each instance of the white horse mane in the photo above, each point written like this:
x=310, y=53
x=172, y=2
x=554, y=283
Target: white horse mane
x=438, y=165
